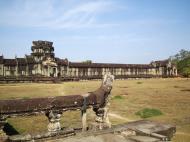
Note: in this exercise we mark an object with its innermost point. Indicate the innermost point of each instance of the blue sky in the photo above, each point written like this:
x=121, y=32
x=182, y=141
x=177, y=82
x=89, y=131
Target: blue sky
x=115, y=31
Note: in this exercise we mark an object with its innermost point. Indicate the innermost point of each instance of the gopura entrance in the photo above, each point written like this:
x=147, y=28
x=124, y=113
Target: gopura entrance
x=49, y=68
x=50, y=71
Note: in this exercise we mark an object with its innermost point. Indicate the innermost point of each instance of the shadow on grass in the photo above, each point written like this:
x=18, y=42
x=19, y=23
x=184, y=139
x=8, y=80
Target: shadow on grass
x=10, y=130
x=185, y=90
x=139, y=82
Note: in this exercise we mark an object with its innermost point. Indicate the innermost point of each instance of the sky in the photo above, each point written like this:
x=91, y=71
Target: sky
x=107, y=31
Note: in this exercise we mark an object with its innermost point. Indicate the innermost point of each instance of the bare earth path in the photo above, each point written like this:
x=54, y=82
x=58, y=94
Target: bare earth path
x=119, y=117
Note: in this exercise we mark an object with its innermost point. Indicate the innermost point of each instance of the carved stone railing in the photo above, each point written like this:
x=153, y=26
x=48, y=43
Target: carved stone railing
x=53, y=107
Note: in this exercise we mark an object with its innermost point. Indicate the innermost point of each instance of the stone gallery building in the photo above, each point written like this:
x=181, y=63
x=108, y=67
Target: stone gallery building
x=43, y=63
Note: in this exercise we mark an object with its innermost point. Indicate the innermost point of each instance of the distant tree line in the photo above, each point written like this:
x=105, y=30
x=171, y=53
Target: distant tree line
x=182, y=60
x=87, y=61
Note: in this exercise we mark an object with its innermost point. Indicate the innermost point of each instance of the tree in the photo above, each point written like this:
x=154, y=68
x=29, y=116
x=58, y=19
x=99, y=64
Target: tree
x=183, y=67
x=87, y=61
x=180, y=56
x=182, y=60
x=184, y=54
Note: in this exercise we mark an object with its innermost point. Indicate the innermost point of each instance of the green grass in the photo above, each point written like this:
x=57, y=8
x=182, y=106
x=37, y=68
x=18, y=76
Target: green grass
x=148, y=112
x=139, y=82
x=118, y=97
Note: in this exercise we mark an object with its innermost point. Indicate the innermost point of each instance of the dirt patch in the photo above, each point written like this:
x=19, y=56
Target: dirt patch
x=186, y=90
x=178, y=86
x=119, y=117
x=124, y=94
x=122, y=86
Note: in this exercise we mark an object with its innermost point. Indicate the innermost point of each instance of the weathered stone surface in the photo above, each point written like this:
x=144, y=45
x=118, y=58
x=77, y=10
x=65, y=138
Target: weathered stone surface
x=41, y=136
x=54, y=124
x=150, y=128
x=143, y=139
x=99, y=138
x=116, y=133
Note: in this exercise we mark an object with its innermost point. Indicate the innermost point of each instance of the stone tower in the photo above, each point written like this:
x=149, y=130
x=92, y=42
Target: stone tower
x=43, y=53
x=42, y=50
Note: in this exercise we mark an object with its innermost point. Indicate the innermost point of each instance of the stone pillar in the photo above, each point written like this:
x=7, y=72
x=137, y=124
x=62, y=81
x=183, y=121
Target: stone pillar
x=16, y=70
x=129, y=71
x=102, y=119
x=55, y=75
x=89, y=72
x=1, y=69
x=84, y=124
x=175, y=72
x=99, y=118
x=137, y=71
x=77, y=72
x=54, y=121
x=106, y=117
x=83, y=112
x=167, y=73
x=27, y=70
x=102, y=116
x=67, y=71
x=48, y=72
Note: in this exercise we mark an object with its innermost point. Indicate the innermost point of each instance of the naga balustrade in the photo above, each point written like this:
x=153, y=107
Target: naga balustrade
x=53, y=107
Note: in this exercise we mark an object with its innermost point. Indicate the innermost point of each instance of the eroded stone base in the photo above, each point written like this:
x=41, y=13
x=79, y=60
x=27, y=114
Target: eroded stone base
x=98, y=126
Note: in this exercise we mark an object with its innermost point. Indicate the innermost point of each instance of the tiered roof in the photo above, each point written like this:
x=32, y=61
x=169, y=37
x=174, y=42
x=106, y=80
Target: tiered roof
x=9, y=62
x=45, y=45
x=107, y=65
x=30, y=59
x=40, y=42
x=61, y=61
x=161, y=63
x=21, y=61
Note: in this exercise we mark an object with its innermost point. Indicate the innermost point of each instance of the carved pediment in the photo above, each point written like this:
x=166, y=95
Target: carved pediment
x=49, y=62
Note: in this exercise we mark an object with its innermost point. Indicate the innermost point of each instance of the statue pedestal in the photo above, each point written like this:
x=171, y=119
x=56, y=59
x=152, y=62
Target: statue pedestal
x=54, y=122
x=94, y=126
x=102, y=119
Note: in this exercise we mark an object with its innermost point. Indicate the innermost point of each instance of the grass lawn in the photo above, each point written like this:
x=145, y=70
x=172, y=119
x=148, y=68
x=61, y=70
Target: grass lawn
x=171, y=97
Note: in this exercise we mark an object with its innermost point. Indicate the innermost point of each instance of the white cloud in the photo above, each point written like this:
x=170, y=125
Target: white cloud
x=54, y=14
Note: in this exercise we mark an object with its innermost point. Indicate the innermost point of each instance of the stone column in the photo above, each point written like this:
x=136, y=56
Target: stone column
x=83, y=112
x=27, y=70
x=1, y=71
x=89, y=72
x=102, y=119
x=102, y=116
x=99, y=118
x=54, y=121
x=84, y=123
x=16, y=70
x=167, y=73
x=106, y=117
x=77, y=72
x=67, y=71
x=55, y=75
x=48, y=73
